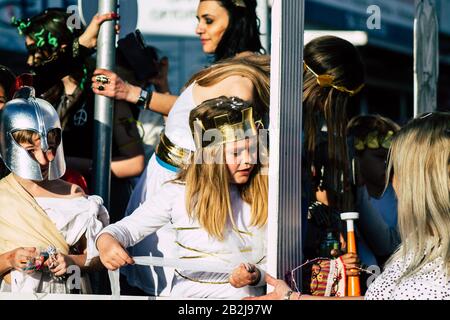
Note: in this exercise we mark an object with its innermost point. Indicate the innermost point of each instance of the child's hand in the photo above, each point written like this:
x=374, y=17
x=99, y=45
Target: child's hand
x=352, y=263
x=112, y=255
x=58, y=264
x=18, y=258
x=244, y=275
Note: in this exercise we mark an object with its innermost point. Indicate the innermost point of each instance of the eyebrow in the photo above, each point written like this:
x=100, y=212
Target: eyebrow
x=206, y=15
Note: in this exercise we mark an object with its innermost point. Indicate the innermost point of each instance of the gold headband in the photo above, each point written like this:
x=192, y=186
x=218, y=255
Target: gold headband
x=374, y=141
x=224, y=131
x=326, y=80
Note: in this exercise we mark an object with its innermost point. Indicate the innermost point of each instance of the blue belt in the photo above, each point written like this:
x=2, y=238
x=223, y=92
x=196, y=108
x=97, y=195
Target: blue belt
x=166, y=165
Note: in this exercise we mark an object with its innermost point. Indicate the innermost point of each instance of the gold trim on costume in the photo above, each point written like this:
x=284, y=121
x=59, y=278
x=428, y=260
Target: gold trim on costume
x=247, y=233
x=261, y=260
x=187, y=228
x=171, y=153
x=212, y=254
x=193, y=257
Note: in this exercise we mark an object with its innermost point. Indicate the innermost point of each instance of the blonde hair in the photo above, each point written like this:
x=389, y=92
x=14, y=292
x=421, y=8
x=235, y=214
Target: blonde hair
x=207, y=179
x=208, y=193
x=420, y=159
x=254, y=67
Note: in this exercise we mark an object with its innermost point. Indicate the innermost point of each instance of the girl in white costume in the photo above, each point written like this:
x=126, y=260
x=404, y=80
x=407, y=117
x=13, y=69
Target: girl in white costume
x=246, y=78
x=219, y=211
x=38, y=209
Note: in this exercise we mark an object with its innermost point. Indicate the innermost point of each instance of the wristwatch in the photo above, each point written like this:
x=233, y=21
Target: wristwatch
x=142, y=98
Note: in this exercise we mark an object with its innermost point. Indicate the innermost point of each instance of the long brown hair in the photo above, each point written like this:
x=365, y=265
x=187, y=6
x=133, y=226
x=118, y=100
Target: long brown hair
x=207, y=180
x=254, y=67
x=340, y=59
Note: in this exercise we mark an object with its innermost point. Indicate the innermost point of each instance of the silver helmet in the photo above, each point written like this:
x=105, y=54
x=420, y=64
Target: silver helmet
x=26, y=112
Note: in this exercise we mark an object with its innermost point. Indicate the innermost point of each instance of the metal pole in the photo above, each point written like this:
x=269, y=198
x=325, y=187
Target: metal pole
x=426, y=56
x=103, y=115
x=285, y=227
x=263, y=15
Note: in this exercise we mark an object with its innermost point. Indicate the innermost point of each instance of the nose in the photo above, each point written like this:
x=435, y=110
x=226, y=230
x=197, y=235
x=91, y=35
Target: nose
x=30, y=60
x=200, y=29
x=247, y=157
x=43, y=158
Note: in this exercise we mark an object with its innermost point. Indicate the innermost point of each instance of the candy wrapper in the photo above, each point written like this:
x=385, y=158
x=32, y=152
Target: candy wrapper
x=38, y=263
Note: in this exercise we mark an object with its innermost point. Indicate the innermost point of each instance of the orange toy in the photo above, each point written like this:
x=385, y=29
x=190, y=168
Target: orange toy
x=353, y=287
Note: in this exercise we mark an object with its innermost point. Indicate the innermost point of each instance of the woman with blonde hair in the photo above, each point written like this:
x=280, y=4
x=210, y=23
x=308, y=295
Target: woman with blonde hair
x=420, y=164
x=217, y=205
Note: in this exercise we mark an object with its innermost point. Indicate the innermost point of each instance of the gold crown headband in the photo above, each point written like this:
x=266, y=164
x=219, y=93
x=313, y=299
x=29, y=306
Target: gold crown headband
x=224, y=131
x=374, y=141
x=326, y=80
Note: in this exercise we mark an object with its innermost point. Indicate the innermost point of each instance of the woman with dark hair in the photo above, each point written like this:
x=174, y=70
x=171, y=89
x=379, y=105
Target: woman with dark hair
x=333, y=75
x=47, y=37
x=228, y=28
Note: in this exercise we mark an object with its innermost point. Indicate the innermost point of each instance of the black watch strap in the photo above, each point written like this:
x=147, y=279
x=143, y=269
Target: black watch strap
x=144, y=98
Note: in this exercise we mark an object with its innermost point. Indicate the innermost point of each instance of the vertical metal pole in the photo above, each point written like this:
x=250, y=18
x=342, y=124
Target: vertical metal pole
x=426, y=56
x=262, y=11
x=285, y=228
x=103, y=115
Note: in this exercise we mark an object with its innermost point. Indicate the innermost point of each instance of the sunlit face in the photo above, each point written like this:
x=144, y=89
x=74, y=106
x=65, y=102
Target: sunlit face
x=2, y=97
x=41, y=157
x=213, y=20
x=240, y=157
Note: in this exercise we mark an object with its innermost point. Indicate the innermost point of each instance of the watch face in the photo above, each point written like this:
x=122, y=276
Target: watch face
x=143, y=95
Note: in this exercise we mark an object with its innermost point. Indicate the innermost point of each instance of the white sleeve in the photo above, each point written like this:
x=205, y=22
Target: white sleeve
x=154, y=213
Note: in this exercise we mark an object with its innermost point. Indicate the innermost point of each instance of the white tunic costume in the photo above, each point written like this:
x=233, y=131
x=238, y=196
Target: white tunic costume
x=156, y=281
x=73, y=217
x=194, y=243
